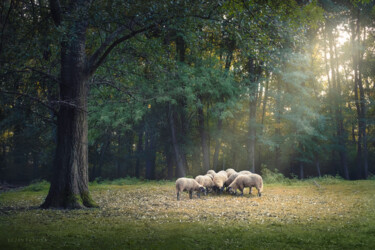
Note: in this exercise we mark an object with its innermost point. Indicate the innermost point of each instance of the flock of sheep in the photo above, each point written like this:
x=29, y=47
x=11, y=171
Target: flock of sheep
x=212, y=181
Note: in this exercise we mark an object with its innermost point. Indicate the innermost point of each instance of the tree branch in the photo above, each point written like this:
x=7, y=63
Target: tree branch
x=31, y=98
x=110, y=43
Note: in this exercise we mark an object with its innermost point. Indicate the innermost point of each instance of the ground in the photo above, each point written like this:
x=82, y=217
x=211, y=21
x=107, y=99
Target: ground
x=323, y=214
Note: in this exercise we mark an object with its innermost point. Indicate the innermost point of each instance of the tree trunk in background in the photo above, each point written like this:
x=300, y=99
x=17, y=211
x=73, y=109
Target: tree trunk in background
x=337, y=99
x=254, y=72
x=120, y=155
x=264, y=105
x=170, y=161
x=330, y=90
x=204, y=138
x=341, y=133
x=129, y=153
x=278, y=122
x=217, y=144
x=69, y=186
x=360, y=102
x=180, y=169
x=301, y=174
x=150, y=155
x=138, y=154
x=317, y=165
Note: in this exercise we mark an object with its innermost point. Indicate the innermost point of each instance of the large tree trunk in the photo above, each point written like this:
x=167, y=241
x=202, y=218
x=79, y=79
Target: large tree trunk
x=69, y=186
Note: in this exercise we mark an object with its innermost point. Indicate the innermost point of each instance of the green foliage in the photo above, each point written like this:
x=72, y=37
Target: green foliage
x=270, y=177
x=37, y=186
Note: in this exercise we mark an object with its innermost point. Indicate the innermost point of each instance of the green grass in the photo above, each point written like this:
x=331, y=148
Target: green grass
x=133, y=214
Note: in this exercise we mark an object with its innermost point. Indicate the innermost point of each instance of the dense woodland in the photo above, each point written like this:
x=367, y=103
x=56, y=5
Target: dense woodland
x=164, y=89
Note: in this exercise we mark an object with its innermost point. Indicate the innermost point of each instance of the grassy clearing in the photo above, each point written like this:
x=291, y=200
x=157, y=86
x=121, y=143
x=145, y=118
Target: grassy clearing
x=334, y=214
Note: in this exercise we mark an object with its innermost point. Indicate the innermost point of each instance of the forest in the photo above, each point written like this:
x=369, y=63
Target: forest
x=164, y=89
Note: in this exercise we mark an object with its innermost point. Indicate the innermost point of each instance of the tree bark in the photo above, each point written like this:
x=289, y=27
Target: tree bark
x=139, y=151
x=278, y=123
x=204, y=138
x=180, y=170
x=340, y=131
x=217, y=144
x=69, y=186
x=150, y=155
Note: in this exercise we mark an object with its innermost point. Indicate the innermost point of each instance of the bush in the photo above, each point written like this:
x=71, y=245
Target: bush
x=275, y=176
x=37, y=186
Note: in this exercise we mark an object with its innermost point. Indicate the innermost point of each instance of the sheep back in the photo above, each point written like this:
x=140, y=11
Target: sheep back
x=230, y=171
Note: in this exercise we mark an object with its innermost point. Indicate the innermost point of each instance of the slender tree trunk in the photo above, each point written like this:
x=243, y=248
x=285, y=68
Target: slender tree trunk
x=150, y=155
x=204, y=138
x=362, y=166
x=362, y=100
x=252, y=112
x=317, y=165
x=120, y=157
x=301, y=174
x=217, y=144
x=102, y=154
x=170, y=161
x=341, y=133
x=264, y=105
x=139, y=151
x=278, y=123
x=180, y=170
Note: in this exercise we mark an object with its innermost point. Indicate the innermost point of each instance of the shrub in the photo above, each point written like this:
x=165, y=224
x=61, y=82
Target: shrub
x=37, y=186
x=275, y=176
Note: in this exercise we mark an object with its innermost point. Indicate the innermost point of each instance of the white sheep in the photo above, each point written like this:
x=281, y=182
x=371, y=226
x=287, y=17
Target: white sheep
x=230, y=171
x=205, y=181
x=219, y=180
x=211, y=172
x=190, y=185
x=245, y=172
x=250, y=180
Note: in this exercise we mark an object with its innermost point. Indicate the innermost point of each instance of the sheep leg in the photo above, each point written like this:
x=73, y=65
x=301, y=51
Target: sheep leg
x=250, y=190
x=259, y=193
x=199, y=194
x=241, y=192
x=191, y=194
x=178, y=196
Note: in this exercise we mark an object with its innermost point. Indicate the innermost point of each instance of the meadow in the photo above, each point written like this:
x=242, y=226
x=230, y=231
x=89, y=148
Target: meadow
x=320, y=213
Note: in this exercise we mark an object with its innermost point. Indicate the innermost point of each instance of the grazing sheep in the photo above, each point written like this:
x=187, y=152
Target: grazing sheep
x=205, y=181
x=211, y=172
x=245, y=172
x=210, y=175
x=190, y=185
x=230, y=171
x=242, y=181
x=219, y=180
x=231, y=179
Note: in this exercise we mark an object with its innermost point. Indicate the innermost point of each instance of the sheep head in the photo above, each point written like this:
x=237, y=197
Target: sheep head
x=231, y=191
